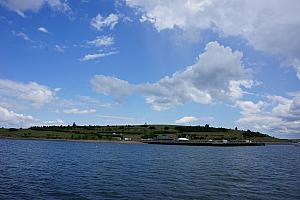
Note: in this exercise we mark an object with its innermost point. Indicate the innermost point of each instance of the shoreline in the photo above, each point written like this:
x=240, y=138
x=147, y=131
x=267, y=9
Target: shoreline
x=113, y=141
x=67, y=140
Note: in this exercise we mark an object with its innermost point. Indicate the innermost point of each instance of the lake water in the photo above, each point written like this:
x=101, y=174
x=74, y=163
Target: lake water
x=81, y=170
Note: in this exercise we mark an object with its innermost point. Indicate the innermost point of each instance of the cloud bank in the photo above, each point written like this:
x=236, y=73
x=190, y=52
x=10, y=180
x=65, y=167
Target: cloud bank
x=217, y=75
x=34, y=5
x=33, y=92
x=12, y=119
x=269, y=26
x=276, y=114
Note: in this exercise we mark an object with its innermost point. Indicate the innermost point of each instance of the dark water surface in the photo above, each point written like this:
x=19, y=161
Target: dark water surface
x=80, y=170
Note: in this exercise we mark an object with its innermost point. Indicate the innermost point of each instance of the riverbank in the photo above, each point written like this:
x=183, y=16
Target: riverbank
x=69, y=140
x=145, y=142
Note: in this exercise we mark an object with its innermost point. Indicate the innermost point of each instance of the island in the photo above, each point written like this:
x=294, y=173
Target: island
x=150, y=134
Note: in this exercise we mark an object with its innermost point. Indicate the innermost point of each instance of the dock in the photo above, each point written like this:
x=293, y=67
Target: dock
x=199, y=143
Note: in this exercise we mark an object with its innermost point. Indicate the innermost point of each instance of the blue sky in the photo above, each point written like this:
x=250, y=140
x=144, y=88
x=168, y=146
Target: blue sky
x=225, y=63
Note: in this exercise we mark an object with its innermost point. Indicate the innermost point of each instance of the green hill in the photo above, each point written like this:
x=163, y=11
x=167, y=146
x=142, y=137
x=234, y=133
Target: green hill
x=136, y=133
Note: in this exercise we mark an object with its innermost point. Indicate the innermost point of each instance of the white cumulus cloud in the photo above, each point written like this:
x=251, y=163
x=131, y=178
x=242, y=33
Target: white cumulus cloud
x=43, y=29
x=33, y=92
x=185, y=120
x=270, y=26
x=275, y=115
x=88, y=57
x=249, y=107
x=102, y=41
x=109, y=85
x=99, y=22
x=34, y=5
x=24, y=36
x=77, y=111
x=12, y=119
x=217, y=75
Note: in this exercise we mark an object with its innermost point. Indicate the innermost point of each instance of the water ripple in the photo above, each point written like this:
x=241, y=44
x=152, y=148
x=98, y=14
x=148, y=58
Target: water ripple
x=78, y=170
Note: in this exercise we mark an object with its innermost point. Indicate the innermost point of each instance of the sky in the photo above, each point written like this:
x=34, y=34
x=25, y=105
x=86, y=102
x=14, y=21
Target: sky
x=226, y=63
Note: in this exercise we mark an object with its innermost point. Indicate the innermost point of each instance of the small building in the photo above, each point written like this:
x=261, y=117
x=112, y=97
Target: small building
x=165, y=137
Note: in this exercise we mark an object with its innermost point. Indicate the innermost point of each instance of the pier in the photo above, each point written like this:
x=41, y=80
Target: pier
x=199, y=143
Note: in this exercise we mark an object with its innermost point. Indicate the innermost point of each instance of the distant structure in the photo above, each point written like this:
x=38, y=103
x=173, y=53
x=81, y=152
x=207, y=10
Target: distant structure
x=165, y=137
x=183, y=139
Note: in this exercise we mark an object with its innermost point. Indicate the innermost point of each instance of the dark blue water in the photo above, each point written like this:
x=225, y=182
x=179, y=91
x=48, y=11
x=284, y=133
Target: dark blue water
x=79, y=170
